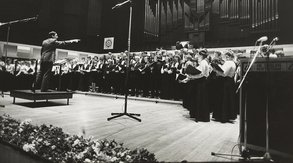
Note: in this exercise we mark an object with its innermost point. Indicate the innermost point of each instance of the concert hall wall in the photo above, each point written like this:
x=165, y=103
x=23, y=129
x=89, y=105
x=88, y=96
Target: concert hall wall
x=92, y=20
x=27, y=32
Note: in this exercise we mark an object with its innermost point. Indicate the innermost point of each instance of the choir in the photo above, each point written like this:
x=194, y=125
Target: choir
x=203, y=80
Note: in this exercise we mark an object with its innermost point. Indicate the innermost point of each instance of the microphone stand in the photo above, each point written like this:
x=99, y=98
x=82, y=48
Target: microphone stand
x=267, y=155
x=244, y=153
x=8, y=34
x=8, y=29
x=131, y=115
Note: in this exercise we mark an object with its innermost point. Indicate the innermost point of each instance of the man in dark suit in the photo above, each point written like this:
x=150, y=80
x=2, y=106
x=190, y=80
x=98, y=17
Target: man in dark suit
x=48, y=58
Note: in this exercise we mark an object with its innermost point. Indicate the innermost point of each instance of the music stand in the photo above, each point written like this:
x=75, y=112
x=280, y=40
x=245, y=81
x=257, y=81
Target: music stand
x=131, y=115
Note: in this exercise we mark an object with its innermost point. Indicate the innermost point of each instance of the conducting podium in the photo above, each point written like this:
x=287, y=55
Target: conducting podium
x=280, y=105
x=36, y=95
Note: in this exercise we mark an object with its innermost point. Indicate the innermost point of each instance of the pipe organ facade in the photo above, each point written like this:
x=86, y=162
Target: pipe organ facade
x=197, y=16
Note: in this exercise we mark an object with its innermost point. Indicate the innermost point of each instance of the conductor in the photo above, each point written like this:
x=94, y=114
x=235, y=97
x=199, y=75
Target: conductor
x=48, y=58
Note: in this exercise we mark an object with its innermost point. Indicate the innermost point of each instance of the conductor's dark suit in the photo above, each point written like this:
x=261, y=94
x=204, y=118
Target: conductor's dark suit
x=47, y=59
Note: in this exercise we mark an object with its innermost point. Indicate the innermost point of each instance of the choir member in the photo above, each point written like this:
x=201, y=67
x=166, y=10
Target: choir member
x=187, y=61
x=166, y=84
x=214, y=81
x=199, y=105
x=156, y=75
x=177, y=69
x=226, y=110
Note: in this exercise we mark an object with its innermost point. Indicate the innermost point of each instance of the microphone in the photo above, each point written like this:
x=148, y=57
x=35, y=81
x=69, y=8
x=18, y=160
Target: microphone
x=262, y=39
x=273, y=42
x=275, y=39
x=116, y=6
x=120, y=4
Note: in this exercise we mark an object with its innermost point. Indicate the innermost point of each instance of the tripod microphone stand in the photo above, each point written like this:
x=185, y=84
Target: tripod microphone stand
x=131, y=115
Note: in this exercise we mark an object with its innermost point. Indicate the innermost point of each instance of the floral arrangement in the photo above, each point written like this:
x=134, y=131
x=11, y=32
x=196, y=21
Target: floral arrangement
x=51, y=143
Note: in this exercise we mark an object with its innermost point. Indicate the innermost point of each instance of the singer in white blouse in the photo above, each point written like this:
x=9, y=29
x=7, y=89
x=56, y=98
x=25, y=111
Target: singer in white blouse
x=203, y=66
x=226, y=109
x=199, y=108
x=229, y=66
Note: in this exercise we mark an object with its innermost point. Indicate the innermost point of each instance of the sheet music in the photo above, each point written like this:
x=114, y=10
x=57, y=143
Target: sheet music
x=60, y=62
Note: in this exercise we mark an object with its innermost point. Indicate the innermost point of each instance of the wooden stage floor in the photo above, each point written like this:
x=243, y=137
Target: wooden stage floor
x=165, y=130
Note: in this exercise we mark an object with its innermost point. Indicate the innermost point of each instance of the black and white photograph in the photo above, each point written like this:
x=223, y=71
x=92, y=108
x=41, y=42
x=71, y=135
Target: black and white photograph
x=127, y=81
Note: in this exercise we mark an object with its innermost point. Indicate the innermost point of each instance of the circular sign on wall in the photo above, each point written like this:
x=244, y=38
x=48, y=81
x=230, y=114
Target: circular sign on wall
x=109, y=43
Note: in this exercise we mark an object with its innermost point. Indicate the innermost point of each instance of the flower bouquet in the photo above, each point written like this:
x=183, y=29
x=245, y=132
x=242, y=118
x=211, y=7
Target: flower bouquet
x=51, y=143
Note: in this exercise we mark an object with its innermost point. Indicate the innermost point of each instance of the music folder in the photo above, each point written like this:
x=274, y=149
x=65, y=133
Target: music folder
x=181, y=77
x=217, y=67
x=192, y=70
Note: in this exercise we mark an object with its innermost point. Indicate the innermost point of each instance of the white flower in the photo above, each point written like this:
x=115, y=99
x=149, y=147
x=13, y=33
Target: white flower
x=26, y=122
x=26, y=147
x=20, y=130
x=113, y=159
x=96, y=150
x=29, y=147
x=34, y=150
x=75, y=142
x=14, y=133
x=87, y=160
x=68, y=138
x=34, y=142
x=46, y=143
x=98, y=144
x=128, y=158
x=80, y=155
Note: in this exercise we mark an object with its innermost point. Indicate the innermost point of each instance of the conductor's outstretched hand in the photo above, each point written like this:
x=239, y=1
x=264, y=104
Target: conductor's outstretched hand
x=75, y=40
